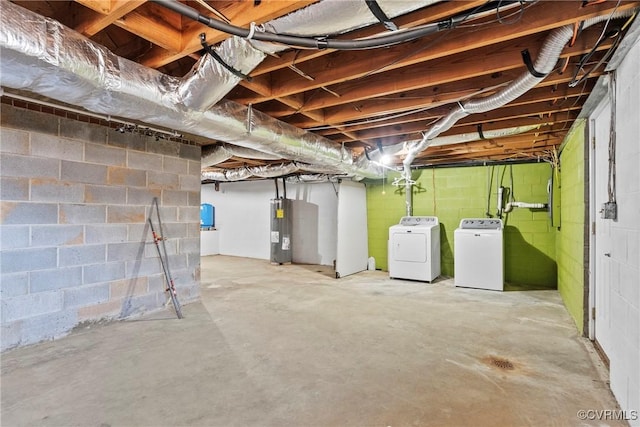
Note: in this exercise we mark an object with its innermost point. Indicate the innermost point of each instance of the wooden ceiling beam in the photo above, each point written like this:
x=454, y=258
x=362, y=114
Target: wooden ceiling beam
x=155, y=24
x=500, y=115
x=563, y=119
x=379, y=107
x=427, y=15
x=98, y=15
x=557, y=124
x=349, y=65
x=538, y=94
x=490, y=148
x=240, y=13
x=101, y=6
x=497, y=65
x=554, y=123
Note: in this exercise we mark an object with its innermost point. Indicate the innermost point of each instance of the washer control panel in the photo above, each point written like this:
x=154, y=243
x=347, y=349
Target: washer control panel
x=481, y=224
x=418, y=220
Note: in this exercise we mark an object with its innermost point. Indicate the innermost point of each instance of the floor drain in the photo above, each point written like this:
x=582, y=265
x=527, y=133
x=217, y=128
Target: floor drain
x=502, y=363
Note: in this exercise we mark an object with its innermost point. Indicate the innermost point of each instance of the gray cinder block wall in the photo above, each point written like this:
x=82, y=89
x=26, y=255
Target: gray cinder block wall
x=75, y=242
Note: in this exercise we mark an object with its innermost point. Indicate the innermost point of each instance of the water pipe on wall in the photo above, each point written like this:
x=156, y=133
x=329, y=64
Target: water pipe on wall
x=512, y=205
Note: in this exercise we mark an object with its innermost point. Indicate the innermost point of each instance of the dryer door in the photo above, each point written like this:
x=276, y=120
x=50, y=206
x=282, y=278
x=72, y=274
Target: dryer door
x=409, y=246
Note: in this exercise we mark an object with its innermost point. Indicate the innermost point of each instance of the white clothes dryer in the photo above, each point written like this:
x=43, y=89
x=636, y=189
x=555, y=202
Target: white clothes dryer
x=414, y=248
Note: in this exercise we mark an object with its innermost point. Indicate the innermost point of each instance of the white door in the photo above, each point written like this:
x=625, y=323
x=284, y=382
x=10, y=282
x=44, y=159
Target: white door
x=601, y=247
x=352, y=252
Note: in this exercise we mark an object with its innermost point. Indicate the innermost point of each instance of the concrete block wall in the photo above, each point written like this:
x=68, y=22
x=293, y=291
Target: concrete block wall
x=570, y=238
x=75, y=242
x=625, y=243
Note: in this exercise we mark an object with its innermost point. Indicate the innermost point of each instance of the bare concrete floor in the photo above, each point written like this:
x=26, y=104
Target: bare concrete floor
x=291, y=346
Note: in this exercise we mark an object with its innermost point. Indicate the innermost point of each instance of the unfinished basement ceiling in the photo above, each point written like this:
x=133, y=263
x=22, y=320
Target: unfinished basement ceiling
x=366, y=99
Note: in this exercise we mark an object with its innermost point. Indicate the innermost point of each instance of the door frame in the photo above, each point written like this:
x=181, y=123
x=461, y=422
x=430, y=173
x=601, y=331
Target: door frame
x=591, y=209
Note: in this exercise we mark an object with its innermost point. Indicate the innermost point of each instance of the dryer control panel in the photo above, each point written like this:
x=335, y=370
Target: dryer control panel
x=418, y=220
x=481, y=224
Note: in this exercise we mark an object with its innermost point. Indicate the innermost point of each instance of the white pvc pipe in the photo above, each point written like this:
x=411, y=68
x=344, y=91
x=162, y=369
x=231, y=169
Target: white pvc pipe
x=512, y=205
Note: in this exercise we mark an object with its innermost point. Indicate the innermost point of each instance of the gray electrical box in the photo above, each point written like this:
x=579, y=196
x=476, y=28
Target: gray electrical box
x=609, y=210
x=281, y=225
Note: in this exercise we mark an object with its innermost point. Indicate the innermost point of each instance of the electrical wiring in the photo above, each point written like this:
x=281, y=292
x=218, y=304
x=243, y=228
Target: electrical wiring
x=618, y=38
x=466, y=16
x=524, y=5
x=323, y=42
x=574, y=82
x=502, y=20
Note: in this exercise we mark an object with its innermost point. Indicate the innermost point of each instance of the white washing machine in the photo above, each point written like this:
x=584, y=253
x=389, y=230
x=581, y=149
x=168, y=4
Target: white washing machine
x=478, y=254
x=414, y=248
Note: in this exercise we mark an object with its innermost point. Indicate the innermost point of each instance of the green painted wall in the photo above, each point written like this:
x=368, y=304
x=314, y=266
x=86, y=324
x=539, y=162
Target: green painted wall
x=455, y=193
x=570, y=236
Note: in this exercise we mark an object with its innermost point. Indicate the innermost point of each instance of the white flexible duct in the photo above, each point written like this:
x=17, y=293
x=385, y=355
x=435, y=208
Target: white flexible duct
x=401, y=148
x=546, y=61
x=476, y=136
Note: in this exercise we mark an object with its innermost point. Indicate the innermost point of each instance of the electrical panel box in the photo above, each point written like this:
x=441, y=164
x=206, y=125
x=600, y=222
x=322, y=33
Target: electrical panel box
x=609, y=210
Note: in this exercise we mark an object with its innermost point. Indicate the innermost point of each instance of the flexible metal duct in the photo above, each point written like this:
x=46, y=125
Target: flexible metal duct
x=42, y=56
x=402, y=148
x=546, y=61
x=213, y=155
x=269, y=171
x=209, y=81
x=305, y=178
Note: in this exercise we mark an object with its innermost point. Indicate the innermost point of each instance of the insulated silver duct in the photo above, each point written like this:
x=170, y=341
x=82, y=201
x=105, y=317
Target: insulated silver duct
x=42, y=56
x=213, y=155
x=269, y=171
x=208, y=81
x=547, y=59
x=304, y=178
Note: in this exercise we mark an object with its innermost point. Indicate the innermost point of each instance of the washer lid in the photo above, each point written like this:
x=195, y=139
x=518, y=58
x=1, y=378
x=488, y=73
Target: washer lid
x=481, y=224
